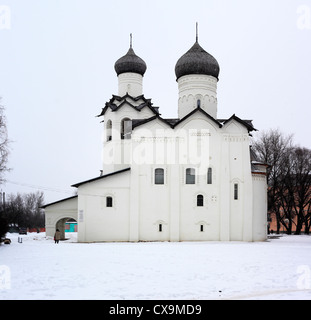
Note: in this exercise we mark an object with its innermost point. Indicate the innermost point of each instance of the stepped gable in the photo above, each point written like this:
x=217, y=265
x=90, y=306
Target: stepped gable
x=138, y=103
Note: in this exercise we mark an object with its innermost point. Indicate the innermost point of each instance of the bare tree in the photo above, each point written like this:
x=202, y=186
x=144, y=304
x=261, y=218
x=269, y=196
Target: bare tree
x=15, y=210
x=32, y=206
x=24, y=210
x=4, y=144
x=4, y=153
x=308, y=218
x=289, y=180
x=301, y=181
x=272, y=147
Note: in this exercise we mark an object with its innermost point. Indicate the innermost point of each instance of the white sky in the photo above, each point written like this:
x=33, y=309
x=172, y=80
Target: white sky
x=57, y=71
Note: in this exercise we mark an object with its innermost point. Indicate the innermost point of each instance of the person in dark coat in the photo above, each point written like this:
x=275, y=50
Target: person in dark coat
x=57, y=236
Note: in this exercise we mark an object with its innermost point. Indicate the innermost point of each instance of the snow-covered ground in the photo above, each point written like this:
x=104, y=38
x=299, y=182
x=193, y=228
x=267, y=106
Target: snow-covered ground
x=39, y=269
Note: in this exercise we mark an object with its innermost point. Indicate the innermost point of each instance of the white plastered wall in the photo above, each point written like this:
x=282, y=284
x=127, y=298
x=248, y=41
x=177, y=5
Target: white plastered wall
x=58, y=211
x=197, y=87
x=96, y=221
x=116, y=153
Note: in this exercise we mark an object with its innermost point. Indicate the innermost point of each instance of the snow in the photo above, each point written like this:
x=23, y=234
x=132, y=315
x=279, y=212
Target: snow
x=38, y=269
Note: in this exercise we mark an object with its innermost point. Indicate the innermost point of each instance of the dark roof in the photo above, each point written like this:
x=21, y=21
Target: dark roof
x=172, y=122
x=175, y=122
x=77, y=185
x=247, y=123
x=198, y=109
x=197, y=61
x=129, y=100
x=139, y=122
x=60, y=201
x=130, y=63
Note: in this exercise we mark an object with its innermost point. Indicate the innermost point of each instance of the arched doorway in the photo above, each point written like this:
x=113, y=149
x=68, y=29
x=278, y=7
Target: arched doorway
x=62, y=225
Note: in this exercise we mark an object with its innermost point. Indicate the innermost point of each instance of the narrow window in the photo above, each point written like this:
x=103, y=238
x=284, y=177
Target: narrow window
x=160, y=227
x=209, y=176
x=159, y=176
x=109, y=130
x=236, y=191
x=109, y=202
x=199, y=103
x=202, y=228
x=200, y=200
x=190, y=176
x=126, y=128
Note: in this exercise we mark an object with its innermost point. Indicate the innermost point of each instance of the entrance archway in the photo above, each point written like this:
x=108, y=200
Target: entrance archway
x=61, y=226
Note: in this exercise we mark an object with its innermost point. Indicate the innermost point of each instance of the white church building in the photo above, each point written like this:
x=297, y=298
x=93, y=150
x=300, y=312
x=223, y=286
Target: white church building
x=193, y=178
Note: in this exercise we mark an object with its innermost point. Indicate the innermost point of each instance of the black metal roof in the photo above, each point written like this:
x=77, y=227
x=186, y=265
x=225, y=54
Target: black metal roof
x=197, y=61
x=198, y=109
x=117, y=102
x=173, y=123
x=130, y=63
x=247, y=123
x=60, y=201
x=77, y=185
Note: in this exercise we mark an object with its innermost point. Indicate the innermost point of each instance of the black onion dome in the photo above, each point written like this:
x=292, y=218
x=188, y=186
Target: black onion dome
x=130, y=63
x=197, y=61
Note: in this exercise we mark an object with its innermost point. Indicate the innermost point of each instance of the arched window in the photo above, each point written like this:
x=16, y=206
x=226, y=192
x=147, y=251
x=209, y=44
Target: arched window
x=200, y=200
x=236, y=191
x=198, y=99
x=159, y=176
x=109, y=130
x=109, y=202
x=209, y=176
x=190, y=176
x=126, y=128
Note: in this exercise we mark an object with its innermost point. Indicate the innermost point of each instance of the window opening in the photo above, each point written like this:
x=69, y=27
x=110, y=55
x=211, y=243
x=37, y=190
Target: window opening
x=109, y=130
x=236, y=191
x=190, y=176
x=109, y=202
x=200, y=201
x=159, y=176
x=209, y=176
x=126, y=129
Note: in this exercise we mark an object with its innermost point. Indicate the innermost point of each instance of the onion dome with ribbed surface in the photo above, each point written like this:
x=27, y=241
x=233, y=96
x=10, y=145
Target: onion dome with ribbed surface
x=130, y=63
x=197, y=61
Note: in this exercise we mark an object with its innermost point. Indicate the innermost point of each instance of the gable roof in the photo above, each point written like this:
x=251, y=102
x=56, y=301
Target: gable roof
x=138, y=122
x=77, y=185
x=117, y=102
x=246, y=123
x=175, y=122
x=60, y=201
x=198, y=109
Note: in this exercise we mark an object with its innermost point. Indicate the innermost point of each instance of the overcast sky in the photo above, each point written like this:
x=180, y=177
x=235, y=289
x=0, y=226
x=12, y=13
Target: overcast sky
x=57, y=71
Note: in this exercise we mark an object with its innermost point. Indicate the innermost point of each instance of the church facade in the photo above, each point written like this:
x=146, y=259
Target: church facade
x=192, y=178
